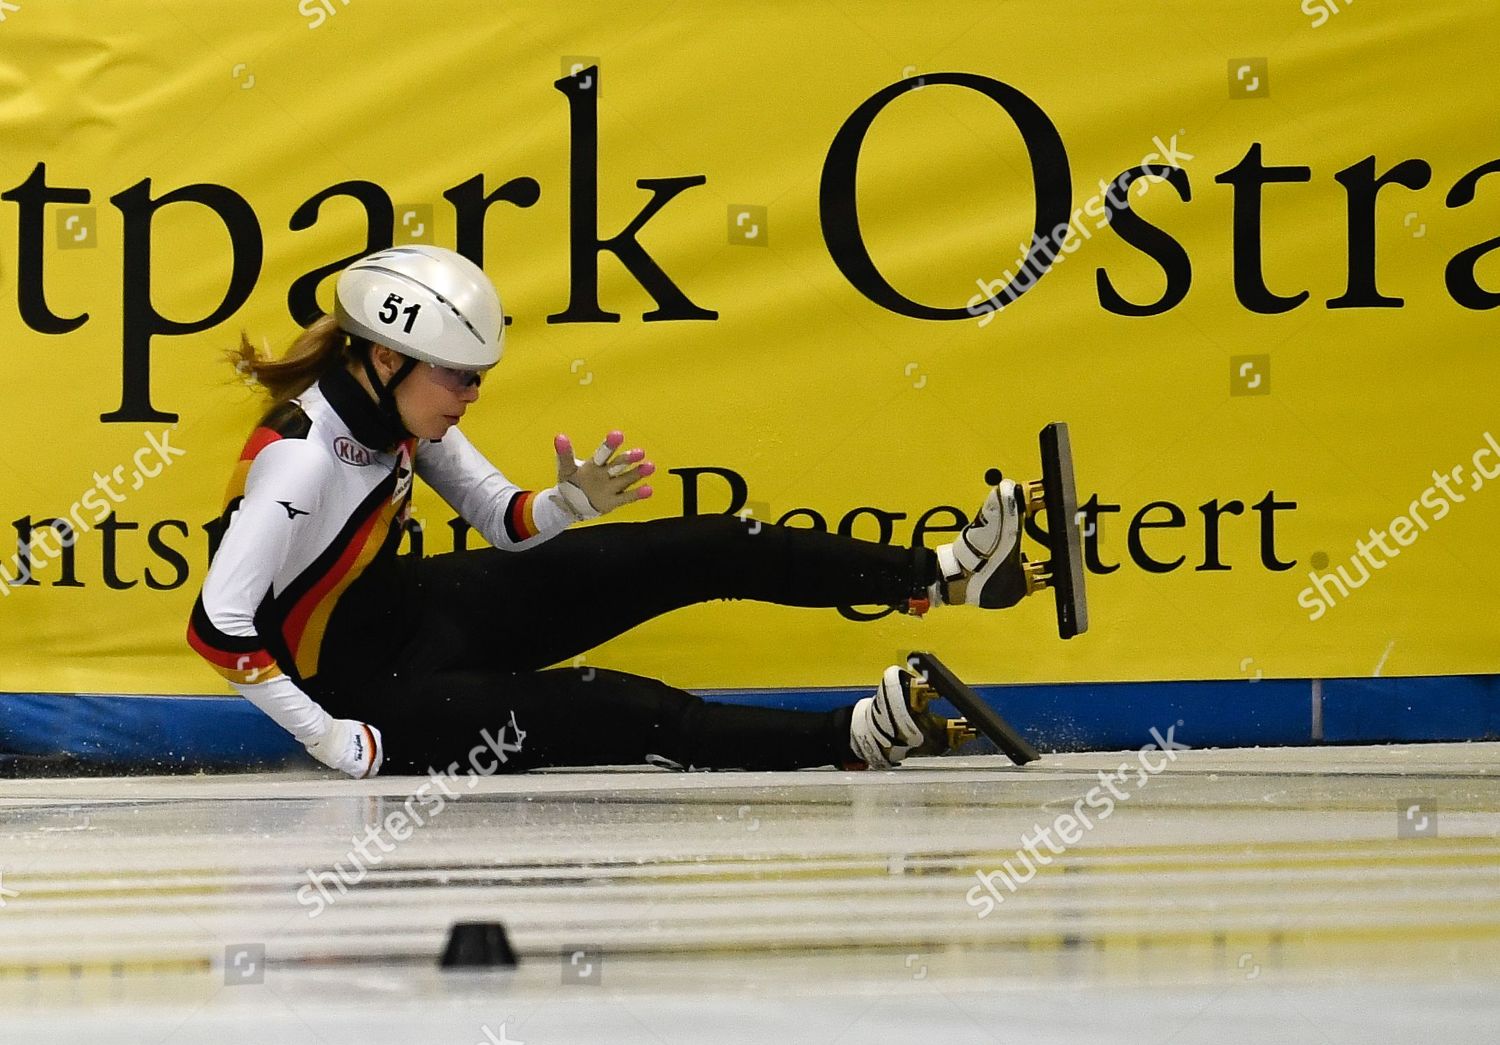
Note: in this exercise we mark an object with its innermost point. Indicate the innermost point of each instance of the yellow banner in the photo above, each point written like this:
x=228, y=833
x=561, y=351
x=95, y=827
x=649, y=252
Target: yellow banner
x=829, y=262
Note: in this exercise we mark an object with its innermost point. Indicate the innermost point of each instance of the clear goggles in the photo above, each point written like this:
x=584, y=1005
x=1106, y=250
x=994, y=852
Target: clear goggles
x=454, y=379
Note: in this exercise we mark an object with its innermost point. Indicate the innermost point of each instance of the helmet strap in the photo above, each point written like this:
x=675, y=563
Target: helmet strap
x=385, y=391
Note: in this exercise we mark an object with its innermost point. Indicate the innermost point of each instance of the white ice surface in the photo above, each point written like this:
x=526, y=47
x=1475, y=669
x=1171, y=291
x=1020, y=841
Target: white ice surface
x=1236, y=896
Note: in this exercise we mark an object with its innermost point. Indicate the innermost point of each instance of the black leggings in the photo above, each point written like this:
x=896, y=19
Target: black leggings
x=484, y=624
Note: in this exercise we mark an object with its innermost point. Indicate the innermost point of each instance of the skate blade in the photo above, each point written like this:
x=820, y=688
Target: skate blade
x=934, y=679
x=1064, y=573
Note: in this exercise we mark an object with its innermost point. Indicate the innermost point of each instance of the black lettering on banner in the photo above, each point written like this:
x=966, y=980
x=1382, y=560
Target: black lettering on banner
x=470, y=205
x=838, y=206
x=1175, y=520
x=140, y=321
x=864, y=616
x=883, y=519
x=585, y=246
x=380, y=223
x=838, y=216
x=108, y=526
x=1159, y=246
x=31, y=198
x=922, y=527
x=1249, y=177
x=1463, y=287
x=1089, y=514
x=1211, y=511
x=52, y=540
x=1268, y=506
x=1361, y=186
x=167, y=554
x=739, y=490
x=57, y=541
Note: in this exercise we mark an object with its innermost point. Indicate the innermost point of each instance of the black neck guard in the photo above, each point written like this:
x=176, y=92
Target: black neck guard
x=376, y=427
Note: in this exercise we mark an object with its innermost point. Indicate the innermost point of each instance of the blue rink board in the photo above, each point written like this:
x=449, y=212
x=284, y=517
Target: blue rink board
x=186, y=733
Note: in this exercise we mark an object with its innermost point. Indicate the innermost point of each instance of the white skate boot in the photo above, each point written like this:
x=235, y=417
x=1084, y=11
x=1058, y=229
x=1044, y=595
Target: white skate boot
x=889, y=727
x=985, y=566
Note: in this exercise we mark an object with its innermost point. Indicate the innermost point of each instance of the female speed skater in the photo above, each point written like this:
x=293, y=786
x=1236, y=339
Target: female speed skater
x=378, y=661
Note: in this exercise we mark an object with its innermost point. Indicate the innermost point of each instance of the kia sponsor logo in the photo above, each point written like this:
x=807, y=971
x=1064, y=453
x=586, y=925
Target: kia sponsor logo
x=350, y=452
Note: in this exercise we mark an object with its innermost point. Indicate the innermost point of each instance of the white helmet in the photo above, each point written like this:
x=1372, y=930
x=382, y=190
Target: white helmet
x=425, y=302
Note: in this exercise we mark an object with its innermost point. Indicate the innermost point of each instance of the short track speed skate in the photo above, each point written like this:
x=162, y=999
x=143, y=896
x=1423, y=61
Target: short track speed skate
x=1057, y=496
x=985, y=565
x=935, y=680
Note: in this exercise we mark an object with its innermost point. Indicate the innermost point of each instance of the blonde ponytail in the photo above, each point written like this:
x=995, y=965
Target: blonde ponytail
x=317, y=350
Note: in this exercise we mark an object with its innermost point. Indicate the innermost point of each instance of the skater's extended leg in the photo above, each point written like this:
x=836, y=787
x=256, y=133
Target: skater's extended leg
x=589, y=585
x=584, y=717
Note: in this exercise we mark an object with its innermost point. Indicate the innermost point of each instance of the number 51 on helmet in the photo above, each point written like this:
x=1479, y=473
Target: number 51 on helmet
x=425, y=302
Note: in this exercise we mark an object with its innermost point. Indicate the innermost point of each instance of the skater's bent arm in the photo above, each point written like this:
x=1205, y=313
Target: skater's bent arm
x=508, y=516
x=262, y=533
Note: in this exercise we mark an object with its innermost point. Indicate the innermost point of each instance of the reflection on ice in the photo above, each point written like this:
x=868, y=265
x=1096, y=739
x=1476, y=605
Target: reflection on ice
x=1263, y=893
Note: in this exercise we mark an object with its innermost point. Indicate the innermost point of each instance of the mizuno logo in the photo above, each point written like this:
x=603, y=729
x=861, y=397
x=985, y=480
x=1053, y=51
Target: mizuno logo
x=291, y=511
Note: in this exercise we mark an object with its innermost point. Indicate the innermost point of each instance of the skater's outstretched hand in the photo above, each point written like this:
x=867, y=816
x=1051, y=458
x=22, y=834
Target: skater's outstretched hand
x=605, y=481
